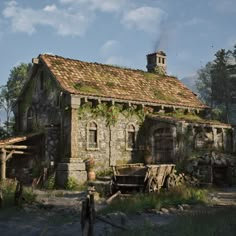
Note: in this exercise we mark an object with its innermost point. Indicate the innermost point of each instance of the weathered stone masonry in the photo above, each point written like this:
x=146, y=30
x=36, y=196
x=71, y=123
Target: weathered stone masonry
x=58, y=87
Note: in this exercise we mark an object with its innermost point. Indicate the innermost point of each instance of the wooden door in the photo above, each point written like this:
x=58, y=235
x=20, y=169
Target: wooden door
x=163, y=145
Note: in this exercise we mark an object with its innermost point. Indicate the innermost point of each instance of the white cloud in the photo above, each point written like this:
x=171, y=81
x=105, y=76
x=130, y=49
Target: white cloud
x=102, y=5
x=147, y=19
x=110, y=47
x=64, y=21
x=50, y=8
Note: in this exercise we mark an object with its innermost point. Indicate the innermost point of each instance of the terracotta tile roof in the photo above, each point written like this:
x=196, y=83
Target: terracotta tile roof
x=78, y=77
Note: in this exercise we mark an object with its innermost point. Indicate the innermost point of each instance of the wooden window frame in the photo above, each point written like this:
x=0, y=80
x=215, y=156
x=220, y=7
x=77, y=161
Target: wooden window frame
x=96, y=129
x=133, y=131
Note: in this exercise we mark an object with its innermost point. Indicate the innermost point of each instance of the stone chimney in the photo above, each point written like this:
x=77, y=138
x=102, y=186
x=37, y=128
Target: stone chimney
x=156, y=62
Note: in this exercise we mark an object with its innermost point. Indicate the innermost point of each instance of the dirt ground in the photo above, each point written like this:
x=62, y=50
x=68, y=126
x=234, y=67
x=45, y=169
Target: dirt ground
x=58, y=213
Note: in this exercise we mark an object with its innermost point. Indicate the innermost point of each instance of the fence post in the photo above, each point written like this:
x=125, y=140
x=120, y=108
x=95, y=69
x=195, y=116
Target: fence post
x=3, y=163
x=88, y=215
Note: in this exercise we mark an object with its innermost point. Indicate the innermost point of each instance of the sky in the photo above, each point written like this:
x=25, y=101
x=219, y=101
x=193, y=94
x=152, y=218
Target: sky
x=118, y=32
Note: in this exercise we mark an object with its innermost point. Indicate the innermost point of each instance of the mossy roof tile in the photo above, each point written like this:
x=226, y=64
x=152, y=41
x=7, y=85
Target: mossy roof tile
x=84, y=78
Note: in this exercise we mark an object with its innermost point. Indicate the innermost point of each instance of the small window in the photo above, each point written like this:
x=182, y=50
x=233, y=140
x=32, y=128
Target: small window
x=163, y=60
x=30, y=119
x=233, y=100
x=159, y=59
x=92, y=135
x=130, y=136
x=41, y=81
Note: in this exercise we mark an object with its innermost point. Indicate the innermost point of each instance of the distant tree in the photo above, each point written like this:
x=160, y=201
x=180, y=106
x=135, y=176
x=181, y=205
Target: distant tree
x=204, y=84
x=216, y=83
x=10, y=91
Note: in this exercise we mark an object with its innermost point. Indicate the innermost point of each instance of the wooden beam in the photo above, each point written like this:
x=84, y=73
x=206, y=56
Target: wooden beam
x=22, y=153
x=19, y=147
x=3, y=162
x=9, y=155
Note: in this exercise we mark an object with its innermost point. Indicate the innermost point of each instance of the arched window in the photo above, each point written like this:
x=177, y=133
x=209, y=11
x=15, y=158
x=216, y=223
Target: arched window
x=130, y=136
x=92, y=135
x=30, y=115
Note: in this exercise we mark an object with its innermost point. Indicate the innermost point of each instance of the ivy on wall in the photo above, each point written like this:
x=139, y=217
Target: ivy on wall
x=111, y=113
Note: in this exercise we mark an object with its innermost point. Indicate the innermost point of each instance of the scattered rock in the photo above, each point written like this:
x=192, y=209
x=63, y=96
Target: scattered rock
x=180, y=207
x=164, y=210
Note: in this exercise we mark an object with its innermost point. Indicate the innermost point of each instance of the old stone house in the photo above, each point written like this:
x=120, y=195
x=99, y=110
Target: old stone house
x=116, y=115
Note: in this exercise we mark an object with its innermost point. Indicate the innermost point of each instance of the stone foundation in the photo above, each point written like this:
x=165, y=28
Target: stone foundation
x=75, y=169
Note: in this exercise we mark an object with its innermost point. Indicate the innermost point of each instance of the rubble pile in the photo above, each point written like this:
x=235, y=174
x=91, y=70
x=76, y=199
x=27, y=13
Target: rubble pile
x=211, y=166
x=181, y=178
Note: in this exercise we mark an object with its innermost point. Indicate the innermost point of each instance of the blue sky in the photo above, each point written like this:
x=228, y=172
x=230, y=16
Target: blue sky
x=119, y=32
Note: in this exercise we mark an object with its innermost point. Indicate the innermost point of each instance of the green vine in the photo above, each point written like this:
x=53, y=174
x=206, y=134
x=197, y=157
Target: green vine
x=111, y=113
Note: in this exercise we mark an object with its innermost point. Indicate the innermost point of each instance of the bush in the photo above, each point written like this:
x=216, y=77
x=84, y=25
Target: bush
x=50, y=182
x=8, y=188
x=72, y=184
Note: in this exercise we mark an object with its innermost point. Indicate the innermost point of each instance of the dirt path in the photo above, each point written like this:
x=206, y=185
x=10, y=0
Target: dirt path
x=58, y=213
x=225, y=197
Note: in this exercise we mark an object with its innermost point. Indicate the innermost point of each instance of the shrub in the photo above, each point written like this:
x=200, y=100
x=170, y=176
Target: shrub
x=50, y=182
x=8, y=190
x=72, y=184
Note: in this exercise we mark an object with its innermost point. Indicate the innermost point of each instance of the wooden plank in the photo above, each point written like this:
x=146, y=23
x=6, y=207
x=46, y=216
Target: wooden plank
x=9, y=155
x=110, y=199
x=22, y=153
x=20, y=147
x=3, y=162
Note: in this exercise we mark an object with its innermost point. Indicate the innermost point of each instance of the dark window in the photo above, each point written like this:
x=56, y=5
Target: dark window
x=159, y=59
x=163, y=60
x=41, y=81
x=92, y=132
x=30, y=119
x=233, y=100
x=131, y=136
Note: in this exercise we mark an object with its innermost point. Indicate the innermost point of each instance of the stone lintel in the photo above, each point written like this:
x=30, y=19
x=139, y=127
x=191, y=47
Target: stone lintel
x=75, y=101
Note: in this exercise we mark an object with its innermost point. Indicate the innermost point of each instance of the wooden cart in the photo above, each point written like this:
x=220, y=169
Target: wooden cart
x=140, y=177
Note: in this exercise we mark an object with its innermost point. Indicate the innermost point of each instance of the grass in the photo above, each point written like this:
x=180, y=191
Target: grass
x=208, y=223
x=142, y=202
x=8, y=190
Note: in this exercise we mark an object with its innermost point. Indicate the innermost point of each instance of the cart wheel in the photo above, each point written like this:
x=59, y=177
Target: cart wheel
x=152, y=186
x=170, y=181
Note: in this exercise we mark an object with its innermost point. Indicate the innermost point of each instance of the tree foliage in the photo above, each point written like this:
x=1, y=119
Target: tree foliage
x=10, y=91
x=216, y=82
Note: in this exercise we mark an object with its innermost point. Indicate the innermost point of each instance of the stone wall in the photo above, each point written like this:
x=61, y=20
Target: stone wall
x=112, y=146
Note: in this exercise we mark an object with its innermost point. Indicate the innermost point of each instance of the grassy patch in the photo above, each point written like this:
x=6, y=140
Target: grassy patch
x=207, y=223
x=73, y=185
x=87, y=88
x=8, y=190
x=142, y=202
x=150, y=76
x=111, y=84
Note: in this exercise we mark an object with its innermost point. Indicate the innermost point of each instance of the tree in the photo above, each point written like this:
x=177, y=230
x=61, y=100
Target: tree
x=203, y=84
x=10, y=91
x=216, y=82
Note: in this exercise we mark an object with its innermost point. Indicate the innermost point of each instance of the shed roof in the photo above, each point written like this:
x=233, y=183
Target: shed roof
x=94, y=79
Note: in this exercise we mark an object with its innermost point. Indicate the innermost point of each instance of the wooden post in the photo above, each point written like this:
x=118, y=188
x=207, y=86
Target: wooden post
x=1, y=198
x=18, y=194
x=3, y=164
x=88, y=215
